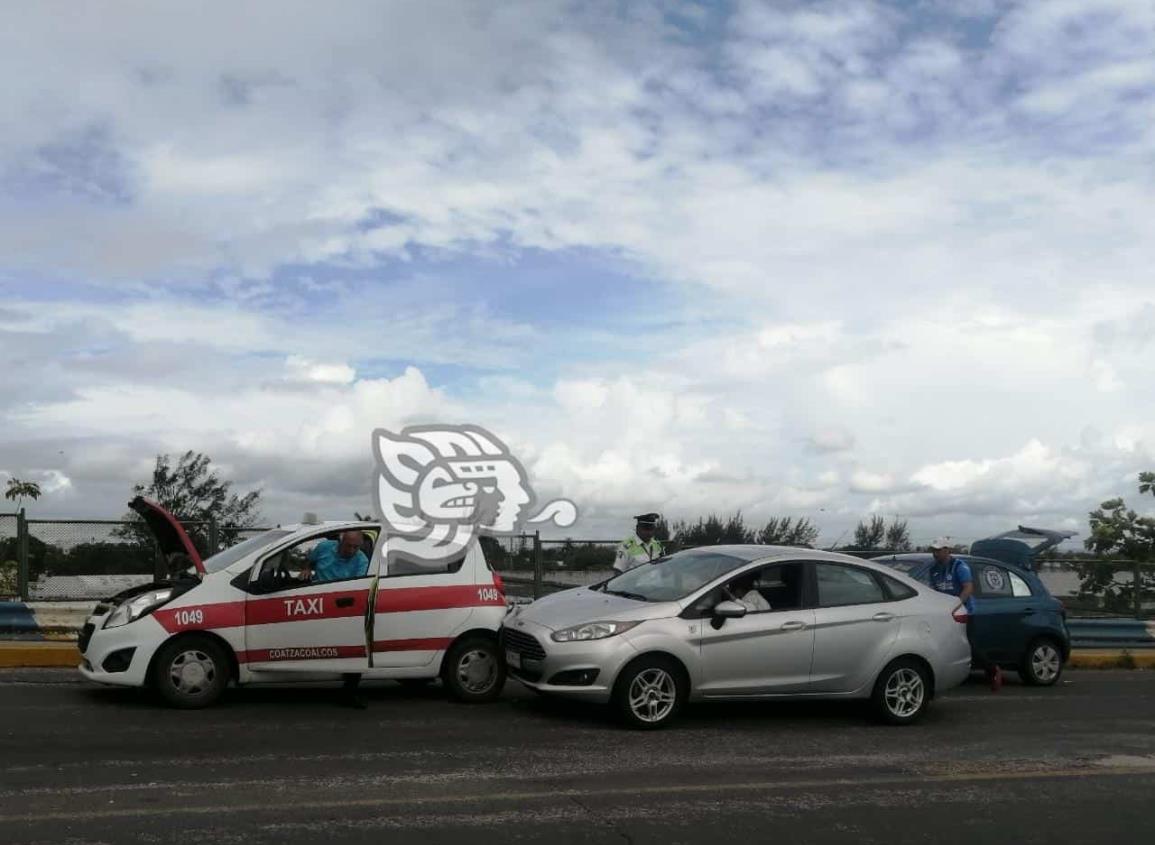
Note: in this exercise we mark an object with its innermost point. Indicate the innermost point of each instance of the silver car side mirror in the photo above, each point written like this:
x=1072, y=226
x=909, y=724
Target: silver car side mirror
x=730, y=610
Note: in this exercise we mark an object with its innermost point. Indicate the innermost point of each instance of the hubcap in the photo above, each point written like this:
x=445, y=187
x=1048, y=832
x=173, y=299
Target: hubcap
x=652, y=695
x=192, y=672
x=904, y=693
x=477, y=671
x=1045, y=662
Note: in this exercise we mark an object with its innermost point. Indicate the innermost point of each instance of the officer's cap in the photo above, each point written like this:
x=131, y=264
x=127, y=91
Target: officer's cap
x=648, y=518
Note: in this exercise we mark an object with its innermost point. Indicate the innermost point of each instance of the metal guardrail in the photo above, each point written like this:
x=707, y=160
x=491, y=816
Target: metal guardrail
x=1111, y=633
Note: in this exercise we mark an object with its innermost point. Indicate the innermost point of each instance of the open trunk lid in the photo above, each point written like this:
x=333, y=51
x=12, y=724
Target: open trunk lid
x=1020, y=547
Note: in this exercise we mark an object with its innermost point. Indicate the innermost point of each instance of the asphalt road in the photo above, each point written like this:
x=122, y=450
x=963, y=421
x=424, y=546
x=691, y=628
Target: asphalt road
x=82, y=764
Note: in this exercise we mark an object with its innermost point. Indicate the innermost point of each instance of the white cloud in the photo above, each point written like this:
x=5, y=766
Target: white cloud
x=300, y=369
x=896, y=255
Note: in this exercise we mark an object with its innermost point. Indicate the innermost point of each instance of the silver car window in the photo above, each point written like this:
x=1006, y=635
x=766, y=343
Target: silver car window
x=673, y=578
x=840, y=585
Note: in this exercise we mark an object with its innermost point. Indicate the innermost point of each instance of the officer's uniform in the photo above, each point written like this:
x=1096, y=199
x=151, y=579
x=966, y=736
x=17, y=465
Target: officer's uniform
x=633, y=551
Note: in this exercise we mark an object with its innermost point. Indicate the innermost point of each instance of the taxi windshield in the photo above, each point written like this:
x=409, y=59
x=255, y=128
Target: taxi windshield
x=672, y=578
x=226, y=558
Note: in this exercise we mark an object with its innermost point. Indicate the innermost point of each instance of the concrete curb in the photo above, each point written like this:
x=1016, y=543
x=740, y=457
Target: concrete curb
x=44, y=655
x=38, y=655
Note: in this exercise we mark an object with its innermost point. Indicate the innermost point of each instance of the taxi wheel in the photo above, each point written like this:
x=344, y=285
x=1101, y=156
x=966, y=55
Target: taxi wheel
x=650, y=691
x=1043, y=663
x=191, y=672
x=901, y=692
x=473, y=671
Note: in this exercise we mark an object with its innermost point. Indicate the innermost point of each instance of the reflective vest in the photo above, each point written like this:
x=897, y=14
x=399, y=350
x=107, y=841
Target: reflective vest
x=633, y=552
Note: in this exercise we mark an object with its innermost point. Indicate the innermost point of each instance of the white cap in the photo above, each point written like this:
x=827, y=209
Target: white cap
x=941, y=543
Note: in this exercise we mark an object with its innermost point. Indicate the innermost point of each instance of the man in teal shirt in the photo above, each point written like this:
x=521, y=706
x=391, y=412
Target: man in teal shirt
x=337, y=560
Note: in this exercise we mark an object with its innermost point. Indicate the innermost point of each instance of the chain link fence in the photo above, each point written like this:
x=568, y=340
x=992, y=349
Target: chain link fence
x=9, y=556
x=86, y=559
x=76, y=560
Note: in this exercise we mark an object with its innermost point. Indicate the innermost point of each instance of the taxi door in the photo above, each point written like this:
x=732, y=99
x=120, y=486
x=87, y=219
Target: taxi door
x=420, y=608
x=292, y=625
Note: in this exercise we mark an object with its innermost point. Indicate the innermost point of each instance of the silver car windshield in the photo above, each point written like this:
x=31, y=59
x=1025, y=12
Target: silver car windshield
x=673, y=578
x=224, y=559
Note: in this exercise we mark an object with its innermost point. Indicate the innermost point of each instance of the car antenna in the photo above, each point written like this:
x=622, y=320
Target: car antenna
x=834, y=545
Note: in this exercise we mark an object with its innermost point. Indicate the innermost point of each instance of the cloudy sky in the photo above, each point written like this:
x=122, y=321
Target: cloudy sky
x=823, y=259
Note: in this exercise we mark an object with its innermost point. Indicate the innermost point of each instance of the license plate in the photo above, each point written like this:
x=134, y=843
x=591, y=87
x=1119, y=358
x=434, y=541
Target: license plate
x=512, y=658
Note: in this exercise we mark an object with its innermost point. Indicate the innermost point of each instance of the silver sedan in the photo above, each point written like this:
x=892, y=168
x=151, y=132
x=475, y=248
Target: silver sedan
x=742, y=623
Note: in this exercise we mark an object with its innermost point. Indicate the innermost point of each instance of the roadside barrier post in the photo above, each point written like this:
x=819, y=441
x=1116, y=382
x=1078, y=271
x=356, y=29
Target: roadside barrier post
x=22, y=554
x=537, y=565
x=214, y=536
x=1138, y=597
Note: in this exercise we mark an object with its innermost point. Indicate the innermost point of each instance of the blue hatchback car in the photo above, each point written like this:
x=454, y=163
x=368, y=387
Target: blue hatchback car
x=1016, y=621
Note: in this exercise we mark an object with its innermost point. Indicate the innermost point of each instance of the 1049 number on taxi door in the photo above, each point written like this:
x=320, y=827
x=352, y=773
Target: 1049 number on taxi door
x=487, y=594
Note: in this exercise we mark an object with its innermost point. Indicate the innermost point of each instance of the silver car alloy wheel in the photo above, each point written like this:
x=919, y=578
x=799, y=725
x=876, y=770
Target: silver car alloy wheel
x=1045, y=662
x=904, y=693
x=652, y=695
x=477, y=671
x=192, y=672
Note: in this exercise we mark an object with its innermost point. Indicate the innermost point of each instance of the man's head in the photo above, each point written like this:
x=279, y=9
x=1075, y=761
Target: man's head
x=647, y=523
x=941, y=549
x=349, y=543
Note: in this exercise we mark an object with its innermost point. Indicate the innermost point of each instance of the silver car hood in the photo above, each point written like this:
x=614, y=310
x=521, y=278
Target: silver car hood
x=573, y=607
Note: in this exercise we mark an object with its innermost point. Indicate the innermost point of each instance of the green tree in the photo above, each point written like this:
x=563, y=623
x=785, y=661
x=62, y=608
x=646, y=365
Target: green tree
x=1119, y=530
x=711, y=531
x=191, y=490
x=785, y=531
x=869, y=535
x=19, y=490
x=898, y=536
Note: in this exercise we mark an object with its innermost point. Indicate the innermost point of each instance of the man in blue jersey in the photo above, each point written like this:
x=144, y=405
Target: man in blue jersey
x=952, y=576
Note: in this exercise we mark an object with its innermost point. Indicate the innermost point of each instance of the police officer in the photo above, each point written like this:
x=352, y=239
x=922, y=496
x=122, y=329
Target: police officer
x=641, y=547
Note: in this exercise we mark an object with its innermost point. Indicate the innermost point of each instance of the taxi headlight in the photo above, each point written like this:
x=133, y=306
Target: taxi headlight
x=591, y=631
x=134, y=608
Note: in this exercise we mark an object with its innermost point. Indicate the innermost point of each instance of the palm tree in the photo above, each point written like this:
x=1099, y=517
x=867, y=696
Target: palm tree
x=18, y=490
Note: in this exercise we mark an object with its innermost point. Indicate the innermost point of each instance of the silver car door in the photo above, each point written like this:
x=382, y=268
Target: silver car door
x=765, y=652
x=855, y=624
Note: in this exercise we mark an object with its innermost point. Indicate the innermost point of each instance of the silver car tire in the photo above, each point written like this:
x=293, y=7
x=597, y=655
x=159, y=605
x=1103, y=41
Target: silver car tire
x=902, y=692
x=650, y=692
x=191, y=672
x=1042, y=665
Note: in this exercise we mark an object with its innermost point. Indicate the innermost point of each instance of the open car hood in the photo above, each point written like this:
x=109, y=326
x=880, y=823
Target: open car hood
x=1020, y=547
x=170, y=535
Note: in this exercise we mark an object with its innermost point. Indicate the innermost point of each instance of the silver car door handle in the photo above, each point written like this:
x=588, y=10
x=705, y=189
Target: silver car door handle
x=883, y=617
x=793, y=626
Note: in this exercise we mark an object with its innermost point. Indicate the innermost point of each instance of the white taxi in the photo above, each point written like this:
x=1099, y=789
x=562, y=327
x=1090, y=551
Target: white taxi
x=252, y=614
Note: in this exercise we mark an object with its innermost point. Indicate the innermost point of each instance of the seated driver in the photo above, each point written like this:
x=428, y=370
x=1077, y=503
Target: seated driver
x=744, y=593
x=336, y=560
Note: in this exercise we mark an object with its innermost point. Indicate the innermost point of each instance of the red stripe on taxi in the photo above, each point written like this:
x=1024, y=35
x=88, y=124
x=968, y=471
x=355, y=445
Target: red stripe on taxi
x=439, y=598
x=336, y=605
x=198, y=617
x=425, y=644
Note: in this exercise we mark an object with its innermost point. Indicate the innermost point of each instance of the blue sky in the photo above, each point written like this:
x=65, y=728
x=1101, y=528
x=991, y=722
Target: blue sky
x=829, y=259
